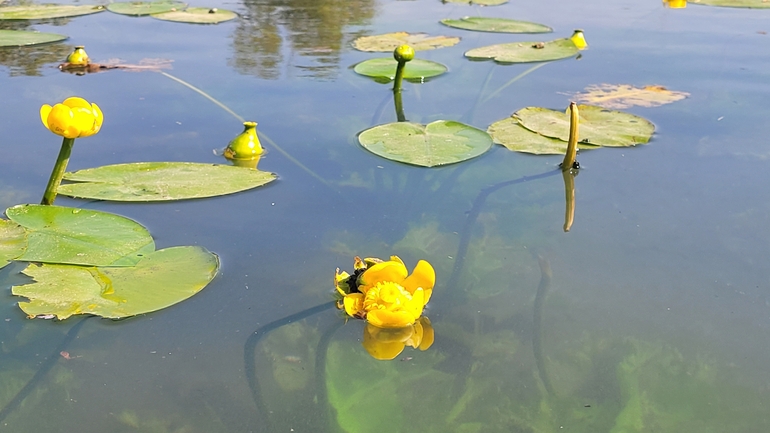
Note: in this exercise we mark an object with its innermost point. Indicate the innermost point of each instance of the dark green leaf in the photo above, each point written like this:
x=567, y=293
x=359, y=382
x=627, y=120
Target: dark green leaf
x=13, y=241
x=385, y=69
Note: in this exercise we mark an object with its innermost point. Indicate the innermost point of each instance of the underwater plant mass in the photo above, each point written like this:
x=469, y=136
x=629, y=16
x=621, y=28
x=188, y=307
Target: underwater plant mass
x=620, y=289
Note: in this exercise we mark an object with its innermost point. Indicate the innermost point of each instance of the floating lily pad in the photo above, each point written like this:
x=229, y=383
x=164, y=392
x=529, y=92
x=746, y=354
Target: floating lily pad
x=161, y=279
x=439, y=143
x=524, y=52
x=390, y=41
x=509, y=133
x=161, y=181
x=758, y=4
x=18, y=38
x=145, y=8
x=45, y=11
x=598, y=126
x=57, y=234
x=198, y=16
x=496, y=25
x=477, y=2
x=13, y=241
x=624, y=96
x=384, y=69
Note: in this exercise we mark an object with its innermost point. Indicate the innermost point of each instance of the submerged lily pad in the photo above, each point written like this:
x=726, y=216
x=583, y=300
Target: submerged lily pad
x=525, y=52
x=624, y=96
x=57, y=234
x=45, y=11
x=198, y=16
x=390, y=41
x=758, y=4
x=439, y=143
x=13, y=241
x=598, y=126
x=161, y=181
x=161, y=279
x=18, y=38
x=145, y=8
x=477, y=2
x=509, y=133
x=496, y=25
x=384, y=69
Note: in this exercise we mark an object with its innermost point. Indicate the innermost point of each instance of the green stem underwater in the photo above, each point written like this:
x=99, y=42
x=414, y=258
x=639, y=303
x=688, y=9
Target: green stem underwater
x=58, y=171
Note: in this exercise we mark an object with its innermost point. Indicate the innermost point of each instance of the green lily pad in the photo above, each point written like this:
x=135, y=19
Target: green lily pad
x=158, y=281
x=161, y=181
x=57, y=234
x=758, y=4
x=524, y=52
x=390, y=41
x=598, y=126
x=145, y=8
x=496, y=25
x=509, y=133
x=45, y=11
x=13, y=241
x=198, y=16
x=477, y=2
x=18, y=38
x=439, y=143
x=384, y=69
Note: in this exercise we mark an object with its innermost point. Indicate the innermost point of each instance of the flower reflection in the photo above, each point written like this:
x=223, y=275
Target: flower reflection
x=387, y=343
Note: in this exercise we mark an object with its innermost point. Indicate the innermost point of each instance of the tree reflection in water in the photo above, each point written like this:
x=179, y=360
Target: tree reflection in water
x=313, y=32
x=28, y=60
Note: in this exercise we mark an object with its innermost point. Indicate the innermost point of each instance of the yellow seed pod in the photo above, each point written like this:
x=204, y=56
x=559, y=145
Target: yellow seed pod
x=246, y=145
x=579, y=39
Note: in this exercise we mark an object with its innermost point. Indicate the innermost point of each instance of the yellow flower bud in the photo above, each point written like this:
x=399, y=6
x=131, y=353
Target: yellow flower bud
x=78, y=57
x=73, y=118
x=579, y=40
x=404, y=53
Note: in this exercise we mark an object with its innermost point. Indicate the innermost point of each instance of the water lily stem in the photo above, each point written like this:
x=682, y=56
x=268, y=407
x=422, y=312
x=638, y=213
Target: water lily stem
x=399, y=106
x=399, y=77
x=58, y=171
x=569, y=157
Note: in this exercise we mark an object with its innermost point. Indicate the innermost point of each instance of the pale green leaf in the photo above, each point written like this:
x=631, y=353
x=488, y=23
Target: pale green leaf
x=509, y=133
x=384, y=69
x=624, y=96
x=18, y=38
x=46, y=11
x=496, y=25
x=161, y=181
x=13, y=241
x=163, y=278
x=525, y=52
x=198, y=16
x=439, y=143
x=758, y=4
x=140, y=8
x=598, y=126
x=390, y=41
x=478, y=2
x=57, y=234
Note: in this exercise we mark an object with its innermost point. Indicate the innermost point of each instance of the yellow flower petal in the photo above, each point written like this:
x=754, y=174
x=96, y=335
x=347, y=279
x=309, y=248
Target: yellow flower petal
x=354, y=304
x=428, y=334
x=45, y=110
x=416, y=338
x=390, y=319
x=378, y=347
x=60, y=121
x=385, y=271
x=423, y=276
x=73, y=118
x=415, y=305
x=74, y=101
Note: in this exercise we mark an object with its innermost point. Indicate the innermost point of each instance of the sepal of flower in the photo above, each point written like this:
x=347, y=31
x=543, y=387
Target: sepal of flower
x=73, y=118
x=384, y=293
x=387, y=343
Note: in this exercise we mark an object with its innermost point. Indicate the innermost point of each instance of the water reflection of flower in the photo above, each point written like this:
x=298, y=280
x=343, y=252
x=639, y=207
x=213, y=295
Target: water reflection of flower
x=387, y=343
x=383, y=292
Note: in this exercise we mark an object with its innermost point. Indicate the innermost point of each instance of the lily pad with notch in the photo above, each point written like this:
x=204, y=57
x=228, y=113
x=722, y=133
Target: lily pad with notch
x=13, y=241
x=526, y=52
x=508, y=132
x=390, y=41
x=47, y=11
x=197, y=16
x=598, y=126
x=383, y=70
x=19, y=38
x=496, y=25
x=141, y=8
x=161, y=181
x=439, y=143
x=160, y=280
x=65, y=235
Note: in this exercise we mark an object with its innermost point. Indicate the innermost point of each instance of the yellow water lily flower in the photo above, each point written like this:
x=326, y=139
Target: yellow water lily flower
x=383, y=292
x=73, y=118
x=387, y=343
x=675, y=4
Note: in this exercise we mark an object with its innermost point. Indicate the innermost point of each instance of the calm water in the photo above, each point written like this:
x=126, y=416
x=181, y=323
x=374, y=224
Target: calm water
x=658, y=311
